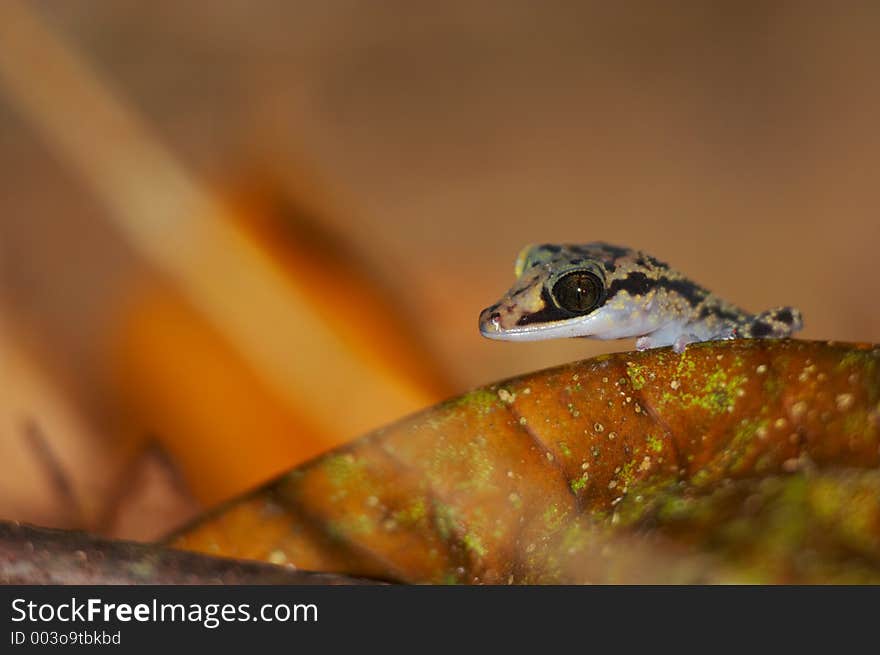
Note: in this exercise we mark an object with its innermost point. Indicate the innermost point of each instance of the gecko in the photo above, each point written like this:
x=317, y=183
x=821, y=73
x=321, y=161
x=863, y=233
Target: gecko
x=609, y=292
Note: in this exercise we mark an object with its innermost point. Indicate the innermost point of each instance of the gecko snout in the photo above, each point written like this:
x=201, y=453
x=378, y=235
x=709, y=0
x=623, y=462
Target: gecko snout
x=490, y=320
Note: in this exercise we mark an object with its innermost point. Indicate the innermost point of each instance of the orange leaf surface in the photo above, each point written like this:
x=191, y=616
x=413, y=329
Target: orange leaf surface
x=735, y=461
x=223, y=386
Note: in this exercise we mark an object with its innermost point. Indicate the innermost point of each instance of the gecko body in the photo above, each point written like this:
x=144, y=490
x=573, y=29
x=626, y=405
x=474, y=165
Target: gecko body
x=608, y=292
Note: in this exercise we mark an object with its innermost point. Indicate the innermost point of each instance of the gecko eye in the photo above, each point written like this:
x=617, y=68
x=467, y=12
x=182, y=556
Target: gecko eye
x=578, y=292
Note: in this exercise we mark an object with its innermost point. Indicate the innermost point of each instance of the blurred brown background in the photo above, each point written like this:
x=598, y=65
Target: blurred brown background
x=738, y=141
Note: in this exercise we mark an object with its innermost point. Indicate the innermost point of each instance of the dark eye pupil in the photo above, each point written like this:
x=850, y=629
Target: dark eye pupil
x=578, y=292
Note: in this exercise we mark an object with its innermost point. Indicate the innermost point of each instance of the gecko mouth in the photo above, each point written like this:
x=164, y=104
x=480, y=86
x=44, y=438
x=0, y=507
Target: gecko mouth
x=491, y=327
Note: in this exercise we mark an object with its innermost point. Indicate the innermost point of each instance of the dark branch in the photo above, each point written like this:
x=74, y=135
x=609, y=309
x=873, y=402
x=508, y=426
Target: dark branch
x=31, y=555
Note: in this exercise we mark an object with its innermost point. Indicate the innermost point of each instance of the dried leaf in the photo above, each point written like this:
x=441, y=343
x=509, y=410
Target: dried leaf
x=735, y=461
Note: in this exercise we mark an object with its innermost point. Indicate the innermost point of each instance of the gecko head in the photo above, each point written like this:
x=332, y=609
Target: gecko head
x=560, y=291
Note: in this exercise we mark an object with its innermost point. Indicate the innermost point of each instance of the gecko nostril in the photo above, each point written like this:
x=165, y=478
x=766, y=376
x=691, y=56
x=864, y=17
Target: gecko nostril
x=490, y=321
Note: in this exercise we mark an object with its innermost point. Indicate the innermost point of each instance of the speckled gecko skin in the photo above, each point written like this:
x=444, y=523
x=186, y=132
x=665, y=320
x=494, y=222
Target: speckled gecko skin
x=609, y=292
